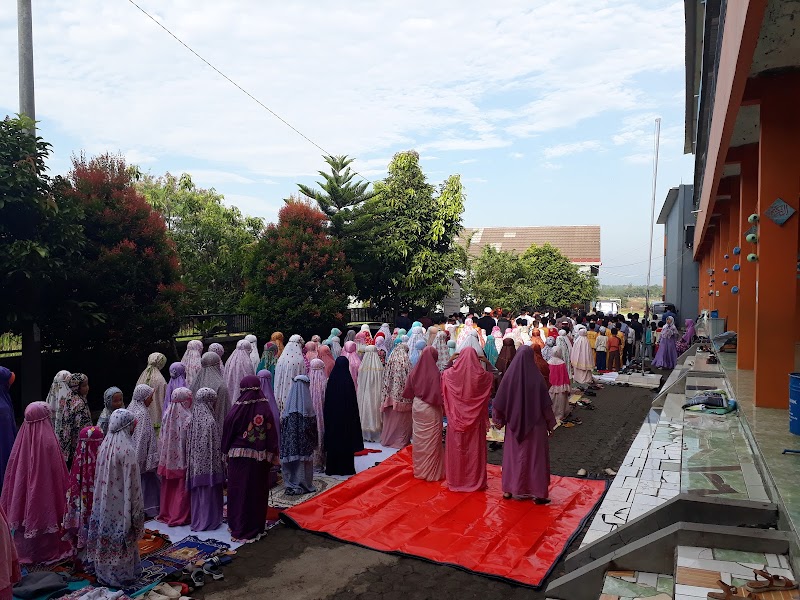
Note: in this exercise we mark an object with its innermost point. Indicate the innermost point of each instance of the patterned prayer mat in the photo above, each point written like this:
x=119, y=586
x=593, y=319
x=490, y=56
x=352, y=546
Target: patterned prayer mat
x=173, y=558
x=152, y=541
x=278, y=498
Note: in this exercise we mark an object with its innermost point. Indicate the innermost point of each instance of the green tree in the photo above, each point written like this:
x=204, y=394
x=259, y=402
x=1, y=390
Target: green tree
x=212, y=240
x=340, y=196
x=411, y=228
x=128, y=266
x=40, y=231
x=297, y=278
x=555, y=280
x=343, y=201
x=541, y=277
x=496, y=278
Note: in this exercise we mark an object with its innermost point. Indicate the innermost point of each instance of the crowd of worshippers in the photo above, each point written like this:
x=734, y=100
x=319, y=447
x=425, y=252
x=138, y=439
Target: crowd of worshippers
x=219, y=431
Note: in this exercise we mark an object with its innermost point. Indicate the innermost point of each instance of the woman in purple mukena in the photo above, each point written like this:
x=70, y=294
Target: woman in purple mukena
x=523, y=406
x=667, y=355
x=205, y=476
x=250, y=441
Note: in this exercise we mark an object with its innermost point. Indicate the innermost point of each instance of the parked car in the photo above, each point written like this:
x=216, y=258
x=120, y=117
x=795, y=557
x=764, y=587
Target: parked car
x=659, y=309
x=608, y=307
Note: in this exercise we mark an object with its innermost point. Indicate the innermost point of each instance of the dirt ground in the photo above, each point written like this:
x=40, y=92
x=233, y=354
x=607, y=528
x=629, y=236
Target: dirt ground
x=296, y=565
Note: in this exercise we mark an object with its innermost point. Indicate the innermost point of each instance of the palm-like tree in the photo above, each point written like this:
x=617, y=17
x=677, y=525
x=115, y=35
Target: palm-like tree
x=339, y=196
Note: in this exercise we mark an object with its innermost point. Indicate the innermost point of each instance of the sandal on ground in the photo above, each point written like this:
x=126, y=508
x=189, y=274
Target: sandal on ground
x=506, y=496
x=213, y=569
x=610, y=472
x=770, y=583
x=541, y=500
x=582, y=473
x=589, y=393
x=168, y=590
x=198, y=578
x=728, y=592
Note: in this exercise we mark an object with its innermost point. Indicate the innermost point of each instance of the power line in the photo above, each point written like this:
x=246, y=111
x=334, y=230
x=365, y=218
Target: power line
x=244, y=91
x=632, y=264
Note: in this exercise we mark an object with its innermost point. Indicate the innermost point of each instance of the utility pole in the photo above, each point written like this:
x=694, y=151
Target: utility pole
x=31, y=336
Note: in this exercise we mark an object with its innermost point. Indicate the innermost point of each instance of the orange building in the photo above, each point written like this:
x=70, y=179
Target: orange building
x=743, y=126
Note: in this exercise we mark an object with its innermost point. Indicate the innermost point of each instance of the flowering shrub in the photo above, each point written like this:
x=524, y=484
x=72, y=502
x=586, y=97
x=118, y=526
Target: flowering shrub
x=128, y=268
x=297, y=279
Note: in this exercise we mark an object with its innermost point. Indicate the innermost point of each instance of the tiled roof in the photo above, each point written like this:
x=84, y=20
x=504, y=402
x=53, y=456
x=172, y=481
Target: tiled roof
x=580, y=243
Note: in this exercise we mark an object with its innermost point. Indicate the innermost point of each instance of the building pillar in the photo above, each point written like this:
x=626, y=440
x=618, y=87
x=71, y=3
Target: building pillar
x=733, y=275
x=723, y=300
x=714, y=253
x=748, y=201
x=776, y=273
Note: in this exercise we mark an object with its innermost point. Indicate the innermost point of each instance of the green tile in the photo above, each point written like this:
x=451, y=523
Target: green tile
x=665, y=585
x=740, y=557
x=620, y=587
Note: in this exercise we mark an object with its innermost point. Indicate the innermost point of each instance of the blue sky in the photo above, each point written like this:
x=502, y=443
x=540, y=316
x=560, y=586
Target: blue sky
x=546, y=109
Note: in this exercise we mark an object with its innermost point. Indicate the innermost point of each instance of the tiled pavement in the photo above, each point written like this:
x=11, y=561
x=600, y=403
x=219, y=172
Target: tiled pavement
x=676, y=452
x=699, y=569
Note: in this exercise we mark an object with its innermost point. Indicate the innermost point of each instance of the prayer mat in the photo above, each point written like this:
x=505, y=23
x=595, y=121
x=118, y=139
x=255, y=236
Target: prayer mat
x=278, y=498
x=385, y=508
x=152, y=541
x=173, y=558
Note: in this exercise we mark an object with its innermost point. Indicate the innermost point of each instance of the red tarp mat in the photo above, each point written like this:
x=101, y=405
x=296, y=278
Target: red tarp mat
x=385, y=508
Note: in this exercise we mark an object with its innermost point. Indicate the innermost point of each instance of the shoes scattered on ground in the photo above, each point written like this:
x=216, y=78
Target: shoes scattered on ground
x=582, y=473
x=610, y=472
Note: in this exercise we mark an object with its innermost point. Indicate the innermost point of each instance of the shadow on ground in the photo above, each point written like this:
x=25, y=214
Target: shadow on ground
x=296, y=565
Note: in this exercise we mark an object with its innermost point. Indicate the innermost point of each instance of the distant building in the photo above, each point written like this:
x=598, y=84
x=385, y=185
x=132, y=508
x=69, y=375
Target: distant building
x=579, y=243
x=681, y=272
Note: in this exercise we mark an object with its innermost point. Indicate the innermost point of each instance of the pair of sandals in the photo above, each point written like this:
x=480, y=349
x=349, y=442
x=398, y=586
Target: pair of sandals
x=767, y=583
x=586, y=405
x=541, y=501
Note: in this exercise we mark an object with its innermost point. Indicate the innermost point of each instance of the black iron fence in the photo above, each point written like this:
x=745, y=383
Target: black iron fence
x=211, y=325
x=370, y=315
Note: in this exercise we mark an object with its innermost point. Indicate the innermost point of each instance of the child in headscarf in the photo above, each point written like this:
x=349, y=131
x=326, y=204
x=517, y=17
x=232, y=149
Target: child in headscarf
x=76, y=415
x=112, y=400
x=80, y=493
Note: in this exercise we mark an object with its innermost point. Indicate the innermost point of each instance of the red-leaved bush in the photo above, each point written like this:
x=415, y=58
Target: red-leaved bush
x=297, y=278
x=128, y=266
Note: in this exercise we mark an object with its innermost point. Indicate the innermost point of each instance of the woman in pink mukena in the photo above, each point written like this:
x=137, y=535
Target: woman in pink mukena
x=424, y=388
x=34, y=496
x=522, y=405
x=466, y=388
x=174, y=459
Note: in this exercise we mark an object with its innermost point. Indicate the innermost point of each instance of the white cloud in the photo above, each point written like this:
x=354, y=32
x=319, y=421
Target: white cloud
x=573, y=148
x=516, y=155
x=255, y=206
x=206, y=177
x=136, y=157
x=551, y=166
x=419, y=75
x=468, y=161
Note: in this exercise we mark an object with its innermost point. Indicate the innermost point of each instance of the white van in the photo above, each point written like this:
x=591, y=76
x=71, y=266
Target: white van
x=607, y=307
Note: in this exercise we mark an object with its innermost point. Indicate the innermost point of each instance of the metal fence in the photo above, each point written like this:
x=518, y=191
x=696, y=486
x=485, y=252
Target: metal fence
x=10, y=344
x=205, y=326
x=370, y=315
